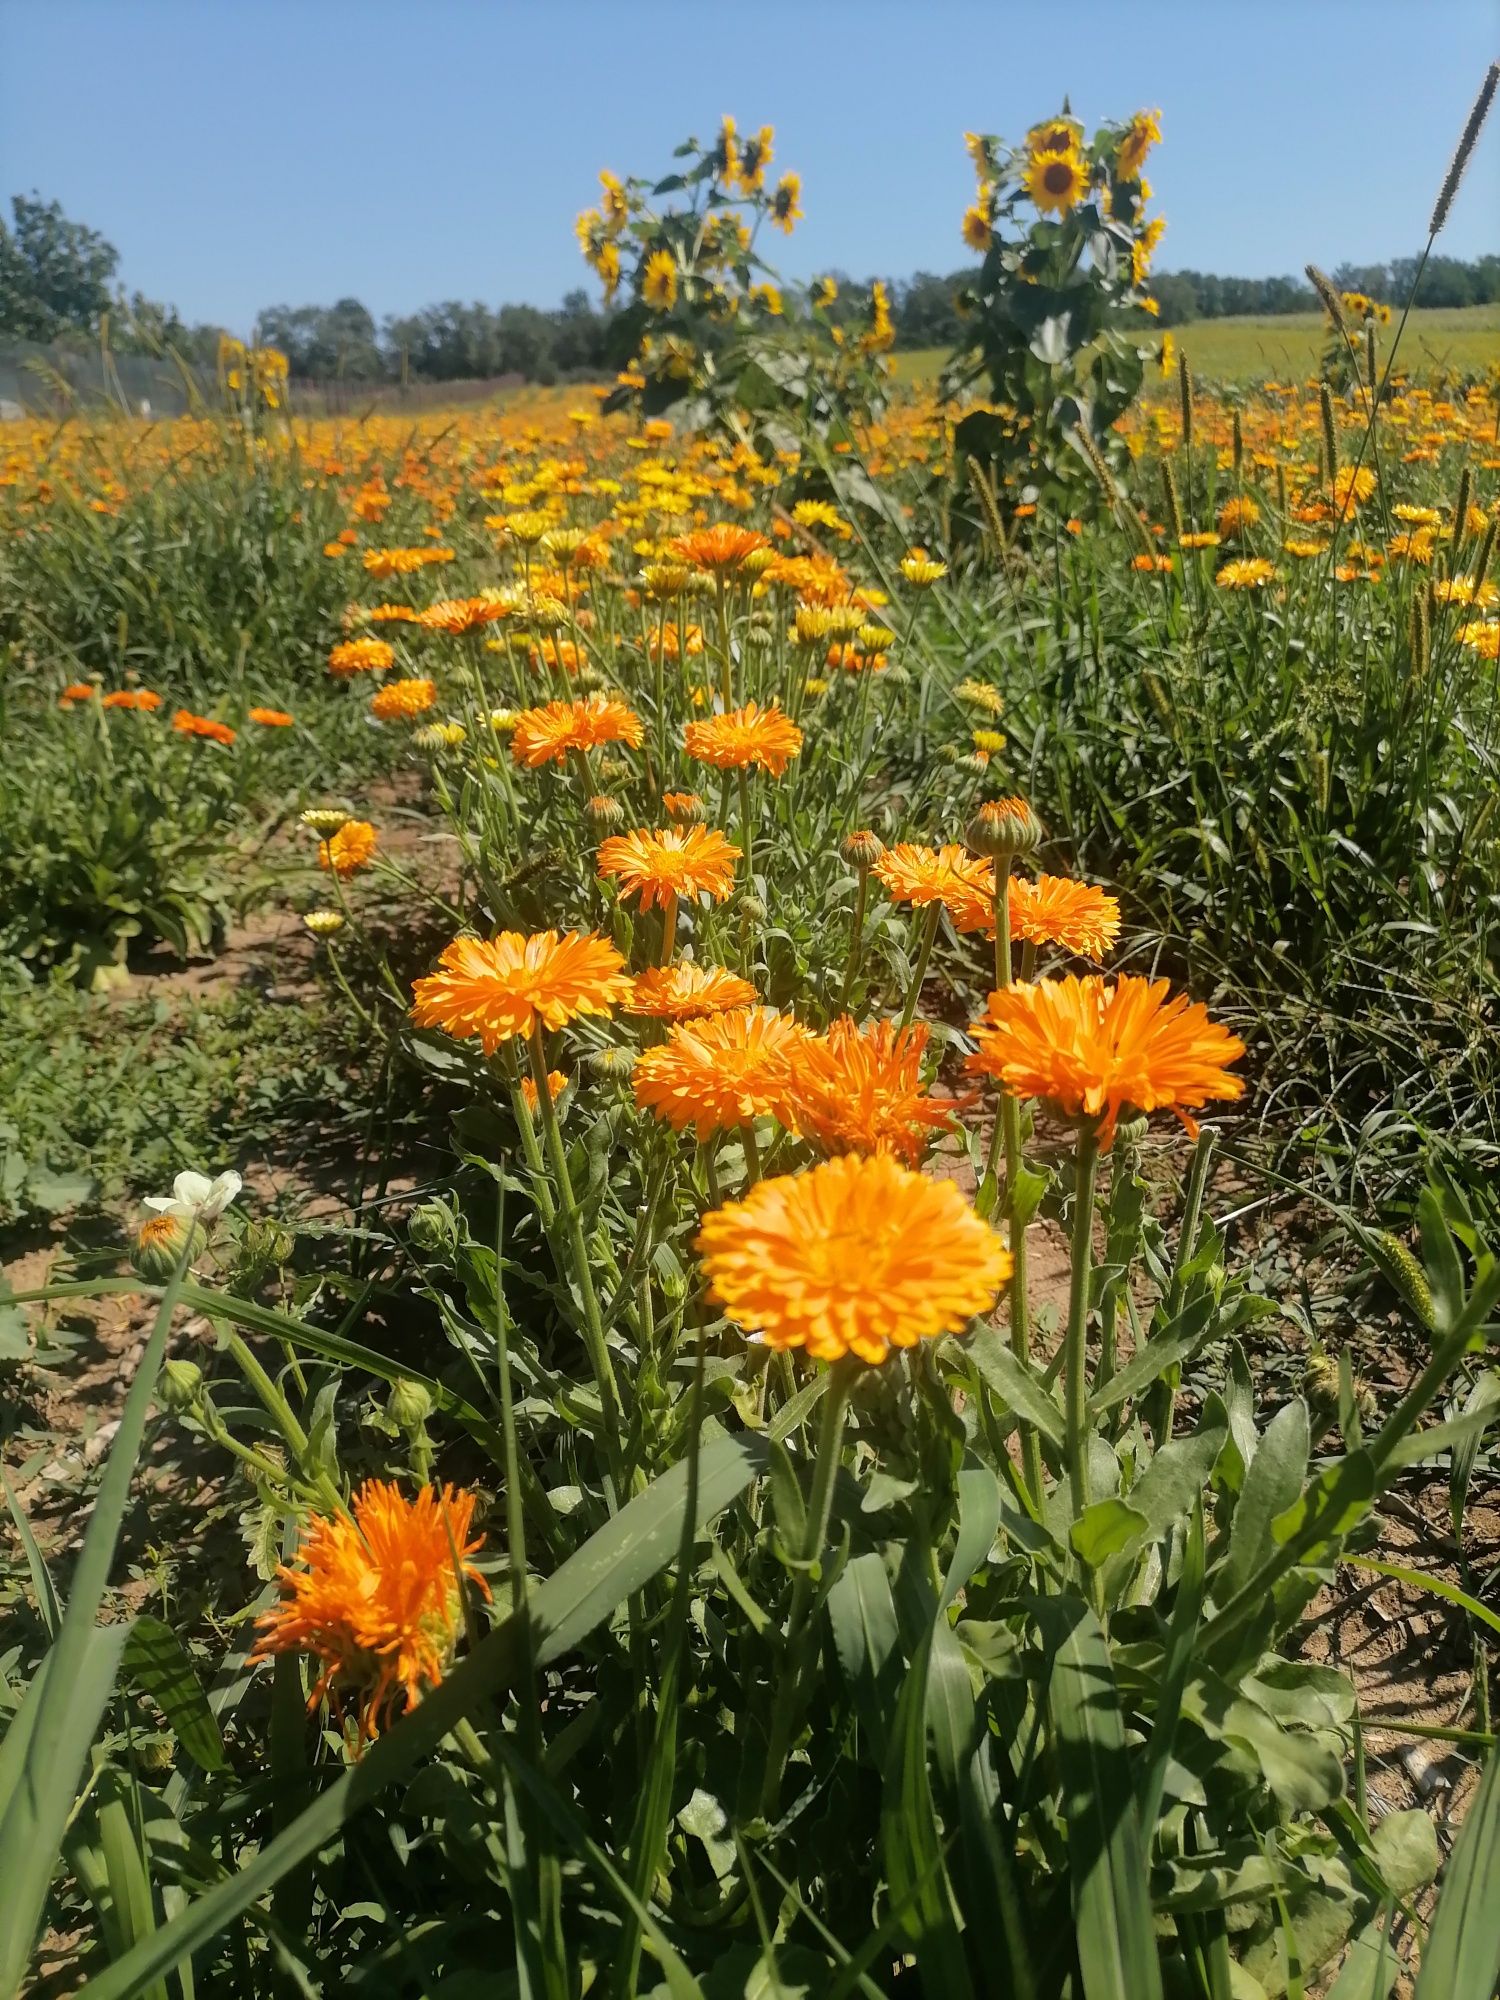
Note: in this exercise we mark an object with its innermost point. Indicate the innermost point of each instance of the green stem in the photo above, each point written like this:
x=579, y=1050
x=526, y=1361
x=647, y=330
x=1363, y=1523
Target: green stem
x=752, y=1151
x=593, y=1324
x=924, y=953
x=856, y=938
x=1075, y=1358
x=668, y=929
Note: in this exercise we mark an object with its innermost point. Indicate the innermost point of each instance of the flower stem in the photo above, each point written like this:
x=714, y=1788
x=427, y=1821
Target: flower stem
x=856, y=938
x=1075, y=1357
x=924, y=953
x=668, y=928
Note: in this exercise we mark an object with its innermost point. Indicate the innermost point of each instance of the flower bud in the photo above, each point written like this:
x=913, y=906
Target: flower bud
x=752, y=908
x=863, y=848
x=610, y=1065
x=323, y=923
x=605, y=812
x=1003, y=829
x=685, y=808
x=179, y=1386
x=160, y=1245
x=325, y=821
x=432, y=1228
x=409, y=1404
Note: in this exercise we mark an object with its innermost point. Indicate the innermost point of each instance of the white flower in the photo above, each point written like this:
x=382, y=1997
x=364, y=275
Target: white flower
x=197, y=1197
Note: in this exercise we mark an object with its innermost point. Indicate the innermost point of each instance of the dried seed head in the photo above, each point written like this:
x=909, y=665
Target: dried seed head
x=1174, y=506
x=1467, y=141
x=1323, y=285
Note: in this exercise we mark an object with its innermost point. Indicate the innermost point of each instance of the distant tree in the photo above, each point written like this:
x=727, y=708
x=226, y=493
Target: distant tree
x=54, y=274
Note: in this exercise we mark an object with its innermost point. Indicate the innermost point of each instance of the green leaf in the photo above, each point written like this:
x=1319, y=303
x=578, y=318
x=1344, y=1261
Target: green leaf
x=623, y=1557
x=1107, y=1873
x=912, y=1845
x=867, y=1640
x=1461, y=1958
x=1107, y=1528
x=155, y=1661
x=1272, y=1485
x=1372, y=1964
x=49, y=1610
x=1016, y=1385
x=1484, y=1398
x=57, y=1192
x=1445, y=1272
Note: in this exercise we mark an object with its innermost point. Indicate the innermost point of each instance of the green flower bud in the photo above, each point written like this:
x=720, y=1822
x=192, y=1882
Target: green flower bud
x=409, y=1405
x=180, y=1385
x=1003, y=829
x=161, y=1242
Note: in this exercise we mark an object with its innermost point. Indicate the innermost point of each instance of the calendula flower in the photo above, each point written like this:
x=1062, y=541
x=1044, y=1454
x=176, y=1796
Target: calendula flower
x=361, y=656
x=324, y=820
x=376, y=1597
x=77, y=691
x=348, y=850
x=684, y=808
x=383, y=563
x=1481, y=636
x=557, y=1083
x=921, y=571
x=1236, y=515
x=457, y=615
x=546, y=735
x=687, y=992
x=765, y=737
x=1056, y=182
x=721, y=1071
x=1198, y=539
x=674, y=861
x=979, y=694
x=403, y=701
x=1054, y=910
x=495, y=989
x=1094, y=1048
x=1352, y=484
x=659, y=281
x=719, y=549
x=860, y=1090
x=270, y=718
x=188, y=724
x=323, y=923
x=146, y=700
x=856, y=1256
x=1246, y=573
x=918, y=875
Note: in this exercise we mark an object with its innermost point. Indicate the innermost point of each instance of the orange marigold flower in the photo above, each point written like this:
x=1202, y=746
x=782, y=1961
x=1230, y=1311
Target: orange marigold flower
x=721, y=1071
x=145, y=699
x=1246, y=573
x=557, y=1083
x=381, y=563
x=683, y=806
x=403, y=701
x=860, y=1090
x=721, y=548
x=1051, y=910
x=499, y=988
x=270, y=718
x=1236, y=515
x=76, y=691
x=857, y=1256
x=348, y=850
x=1352, y=484
x=910, y=873
x=362, y=656
x=1094, y=1049
x=376, y=1597
x=546, y=735
x=669, y=642
x=392, y=614
x=750, y=735
x=188, y=724
x=686, y=992
x=674, y=861
x=456, y=615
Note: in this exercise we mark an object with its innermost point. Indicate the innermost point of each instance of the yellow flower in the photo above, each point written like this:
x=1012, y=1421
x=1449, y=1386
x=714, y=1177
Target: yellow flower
x=659, y=281
x=1056, y=182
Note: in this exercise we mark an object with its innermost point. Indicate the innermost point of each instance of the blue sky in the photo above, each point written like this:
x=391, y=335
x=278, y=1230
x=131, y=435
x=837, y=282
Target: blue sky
x=405, y=151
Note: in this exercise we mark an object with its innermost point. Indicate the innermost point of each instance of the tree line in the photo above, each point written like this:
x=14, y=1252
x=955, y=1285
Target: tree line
x=58, y=283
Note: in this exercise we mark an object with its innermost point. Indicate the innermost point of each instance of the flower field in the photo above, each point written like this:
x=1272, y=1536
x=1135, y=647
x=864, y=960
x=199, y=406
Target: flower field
x=848, y=1219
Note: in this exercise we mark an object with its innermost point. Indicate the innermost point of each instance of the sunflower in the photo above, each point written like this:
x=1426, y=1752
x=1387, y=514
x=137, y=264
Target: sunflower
x=765, y=737
x=719, y=549
x=1056, y=182
x=403, y=701
x=659, y=281
x=1094, y=1049
x=376, y=1596
x=674, y=861
x=1057, y=135
x=546, y=735
x=721, y=1071
x=978, y=224
x=348, y=849
x=919, y=875
x=857, y=1256
x=1245, y=573
x=786, y=202
x=687, y=992
x=496, y=989
x=860, y=1090
x=1142, y=133
x=361, y=656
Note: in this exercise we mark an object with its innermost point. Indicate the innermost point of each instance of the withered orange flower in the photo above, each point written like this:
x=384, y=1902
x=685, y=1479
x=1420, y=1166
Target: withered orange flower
x=721, y=548
x=403, y=701
x=674, y=861
x=348, y=849
x=376, y=1597
x=546, y=735
x=498, y=988
x=856, y=1256
x=750, y=735
x=686, y=992
x=860, y=1090
x=1095, y=1048
x=188, y=724
x=722, y=1071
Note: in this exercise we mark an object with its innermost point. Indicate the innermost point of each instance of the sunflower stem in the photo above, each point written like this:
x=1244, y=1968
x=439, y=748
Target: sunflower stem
x=924, y=953
x=788, y=1706
x=593, y=1324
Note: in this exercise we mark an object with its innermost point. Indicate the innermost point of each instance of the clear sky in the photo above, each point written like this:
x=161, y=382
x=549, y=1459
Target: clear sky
x=243, y=153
